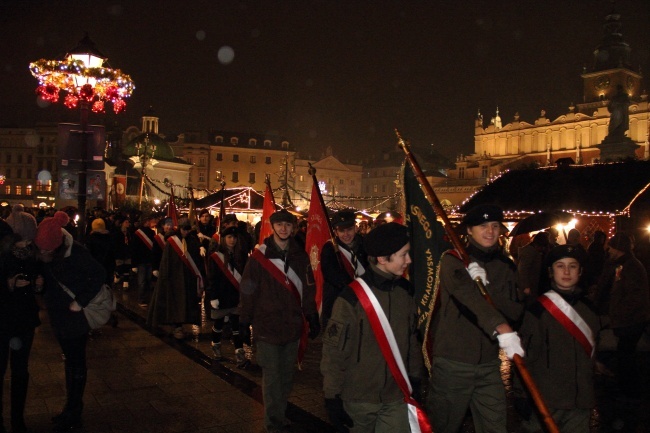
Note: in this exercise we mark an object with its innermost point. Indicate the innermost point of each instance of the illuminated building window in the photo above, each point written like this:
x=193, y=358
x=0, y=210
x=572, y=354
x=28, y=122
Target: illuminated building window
x=301, y=178
x=19, y=190
x=7, y=189
x=28, y=190
x=235, y=176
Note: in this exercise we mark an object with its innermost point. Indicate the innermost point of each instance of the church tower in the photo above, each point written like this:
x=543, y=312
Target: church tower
x=612, y=67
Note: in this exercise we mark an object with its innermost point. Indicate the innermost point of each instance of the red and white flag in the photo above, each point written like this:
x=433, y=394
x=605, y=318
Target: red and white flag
x=268, y=209
x=318, y=233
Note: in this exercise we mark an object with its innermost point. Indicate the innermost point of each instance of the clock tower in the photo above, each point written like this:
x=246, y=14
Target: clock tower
x=611, y=68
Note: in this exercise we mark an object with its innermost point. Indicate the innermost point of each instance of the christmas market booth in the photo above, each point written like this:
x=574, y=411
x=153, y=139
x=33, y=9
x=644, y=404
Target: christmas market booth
x=609, y=197
x=245, y=202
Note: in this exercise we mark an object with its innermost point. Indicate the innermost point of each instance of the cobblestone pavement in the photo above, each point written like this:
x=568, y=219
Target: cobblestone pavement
x=139, y=381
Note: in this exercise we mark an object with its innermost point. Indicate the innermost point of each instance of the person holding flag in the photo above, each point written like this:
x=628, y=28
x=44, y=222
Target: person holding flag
x=467, y=331
x=277, y=296
x=559, y=331
x=371, y=352
x=343, y=262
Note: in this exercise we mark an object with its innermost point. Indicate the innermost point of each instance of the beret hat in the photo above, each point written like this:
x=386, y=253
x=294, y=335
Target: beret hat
x=282, y=215
x=564, y=251
x=343, y=218
x=483, y=213
x=386, y=239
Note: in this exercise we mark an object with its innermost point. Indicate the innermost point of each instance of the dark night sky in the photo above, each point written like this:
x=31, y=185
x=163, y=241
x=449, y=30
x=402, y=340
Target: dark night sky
x=340, y=73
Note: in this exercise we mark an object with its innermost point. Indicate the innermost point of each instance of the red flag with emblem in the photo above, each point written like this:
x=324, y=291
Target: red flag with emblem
x=266, y=229
x=318, y=233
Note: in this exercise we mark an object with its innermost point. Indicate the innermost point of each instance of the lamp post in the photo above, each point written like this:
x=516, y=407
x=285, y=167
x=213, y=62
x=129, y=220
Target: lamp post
x=87, y=83
x=143, y=160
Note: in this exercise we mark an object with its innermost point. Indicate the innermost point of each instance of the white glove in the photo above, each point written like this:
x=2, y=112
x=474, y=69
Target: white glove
x=214, y=304
x=476, y=271
x=203, y=251
x=156, y=273
x=134, y=270
x=511, y=344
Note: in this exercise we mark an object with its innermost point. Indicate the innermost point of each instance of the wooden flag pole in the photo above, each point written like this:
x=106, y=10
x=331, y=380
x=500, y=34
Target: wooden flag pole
x=460, y=249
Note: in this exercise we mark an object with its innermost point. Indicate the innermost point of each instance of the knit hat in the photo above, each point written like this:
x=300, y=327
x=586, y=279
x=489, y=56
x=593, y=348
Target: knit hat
x=483, y=213
x=386, y=239
x=22, y=223
x=282, y=215
x=621, y=242
x=98, y=225
x=49, y=234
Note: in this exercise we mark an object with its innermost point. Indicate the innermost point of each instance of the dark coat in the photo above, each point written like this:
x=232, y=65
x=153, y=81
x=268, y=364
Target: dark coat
x=629, y=302
x=561, y=368
x=268, y=304
x=84, y=276
x=175, y=298
x=465, y=324
x=220, y=287
x=101, y=247
x=335, y=276
x=18, y=307
x=353, y=364
x=141, y=254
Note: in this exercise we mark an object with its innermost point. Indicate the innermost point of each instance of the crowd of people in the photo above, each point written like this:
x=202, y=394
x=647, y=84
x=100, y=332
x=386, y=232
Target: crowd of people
x=548, y=304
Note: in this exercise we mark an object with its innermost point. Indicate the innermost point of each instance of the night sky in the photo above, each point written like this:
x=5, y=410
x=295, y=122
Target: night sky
x=339, y=73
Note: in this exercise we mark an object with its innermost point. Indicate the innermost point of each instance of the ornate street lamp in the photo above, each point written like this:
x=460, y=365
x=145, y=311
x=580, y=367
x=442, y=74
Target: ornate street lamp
x=143, y=158
x=86, y=83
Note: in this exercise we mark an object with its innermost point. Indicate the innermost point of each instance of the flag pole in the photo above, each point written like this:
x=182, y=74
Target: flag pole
x=222, y=205
x=460, y=249
x=312, y=173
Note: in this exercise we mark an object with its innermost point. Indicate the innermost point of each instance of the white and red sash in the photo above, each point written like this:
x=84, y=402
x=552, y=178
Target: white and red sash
x=160, y=240
x=290, y=280
x=233, y=276
x=386, y=339
x=569, y=318
x=349, y=266
x=177, y=245
x=144, y=238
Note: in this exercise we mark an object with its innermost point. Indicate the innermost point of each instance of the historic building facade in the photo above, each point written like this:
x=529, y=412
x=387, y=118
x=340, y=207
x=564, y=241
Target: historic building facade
x=583, y=135
x=28, y=165
x=339, y=183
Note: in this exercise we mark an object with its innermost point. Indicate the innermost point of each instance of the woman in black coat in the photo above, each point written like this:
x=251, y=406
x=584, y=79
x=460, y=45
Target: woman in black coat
x=68, y=263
